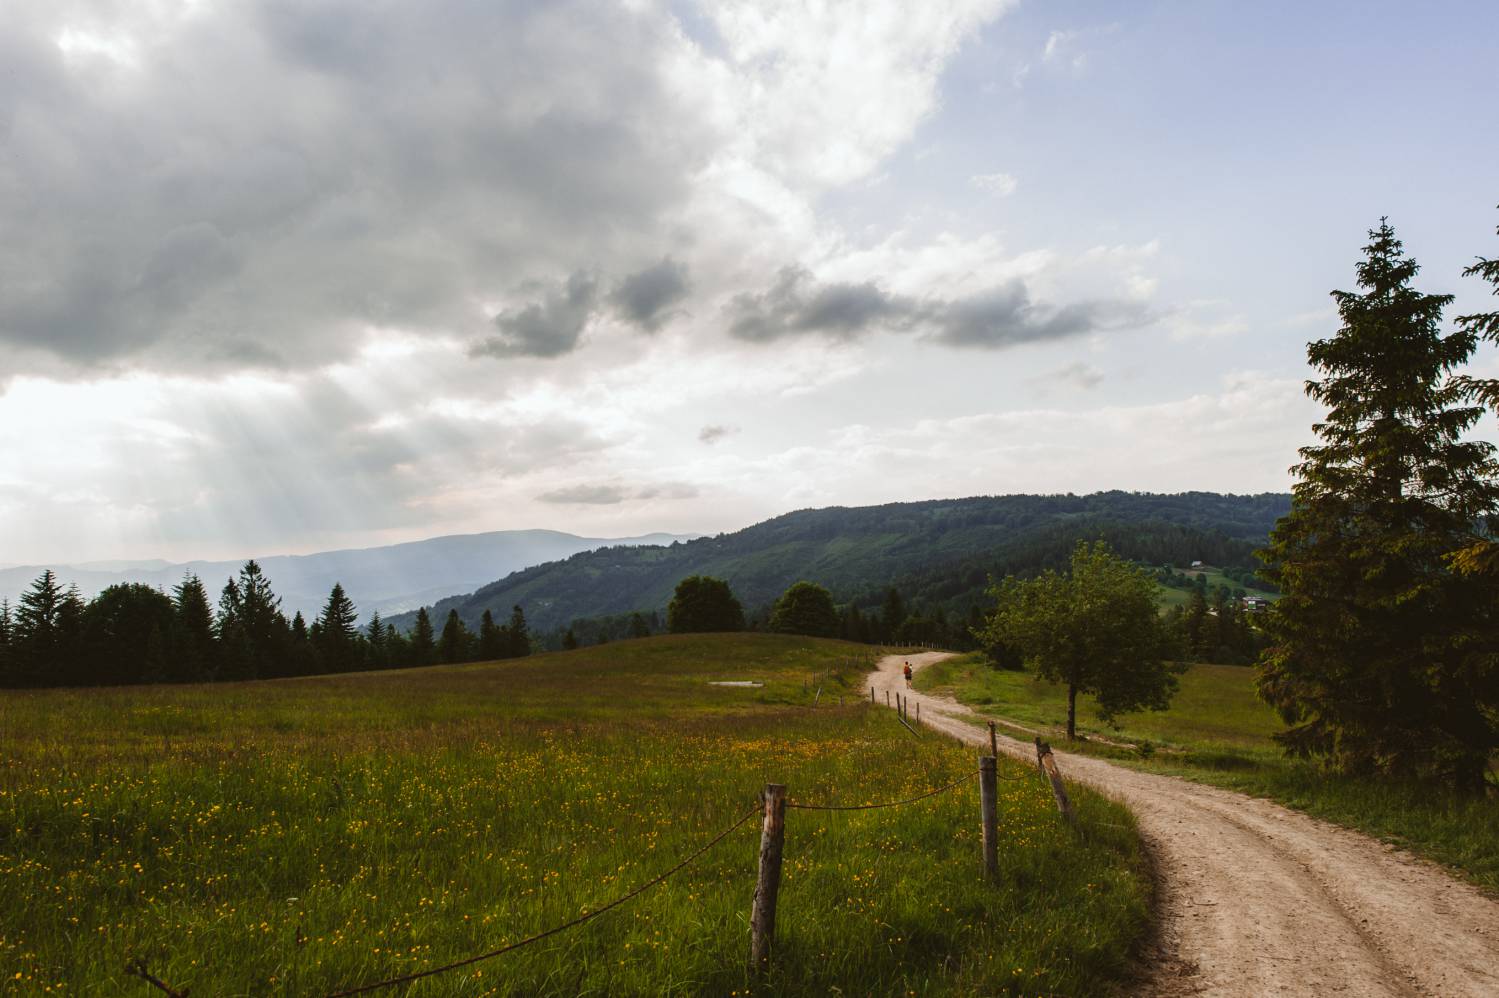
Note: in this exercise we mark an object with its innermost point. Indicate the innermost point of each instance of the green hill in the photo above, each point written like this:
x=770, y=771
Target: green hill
x=939, y=553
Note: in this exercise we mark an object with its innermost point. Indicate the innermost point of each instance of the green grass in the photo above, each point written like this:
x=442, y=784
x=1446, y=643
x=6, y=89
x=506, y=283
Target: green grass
x=297, y=836
x=1218, y=731
x=1171, y=596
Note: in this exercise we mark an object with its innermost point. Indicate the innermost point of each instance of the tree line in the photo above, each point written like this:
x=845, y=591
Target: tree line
x=133, y=633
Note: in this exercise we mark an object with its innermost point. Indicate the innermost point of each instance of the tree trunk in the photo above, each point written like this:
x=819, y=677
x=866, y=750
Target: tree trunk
x=1071, y=712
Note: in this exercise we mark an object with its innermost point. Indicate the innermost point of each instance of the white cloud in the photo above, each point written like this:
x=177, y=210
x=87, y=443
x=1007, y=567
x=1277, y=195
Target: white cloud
x=998, y=184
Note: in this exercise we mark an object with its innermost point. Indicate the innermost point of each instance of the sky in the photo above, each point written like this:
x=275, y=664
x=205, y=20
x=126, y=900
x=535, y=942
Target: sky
x=281, y=276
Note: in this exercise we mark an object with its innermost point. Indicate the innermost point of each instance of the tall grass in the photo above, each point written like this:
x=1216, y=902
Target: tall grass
x=298, y=836
x=1218, y=731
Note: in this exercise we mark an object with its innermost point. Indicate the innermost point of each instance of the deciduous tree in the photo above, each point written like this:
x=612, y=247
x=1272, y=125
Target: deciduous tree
x=1095, y=629
x=805, y=608
x=702, y=603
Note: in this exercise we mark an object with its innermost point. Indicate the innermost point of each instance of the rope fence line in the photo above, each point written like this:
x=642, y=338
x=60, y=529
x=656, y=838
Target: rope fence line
x=772, y=807
x=587, y=916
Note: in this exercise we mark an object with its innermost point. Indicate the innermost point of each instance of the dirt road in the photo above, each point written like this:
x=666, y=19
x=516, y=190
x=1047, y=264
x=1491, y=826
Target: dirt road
x=1257, y=900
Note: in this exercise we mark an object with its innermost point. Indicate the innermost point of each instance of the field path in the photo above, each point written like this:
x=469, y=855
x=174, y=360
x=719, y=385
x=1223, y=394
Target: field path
x=1258, y=900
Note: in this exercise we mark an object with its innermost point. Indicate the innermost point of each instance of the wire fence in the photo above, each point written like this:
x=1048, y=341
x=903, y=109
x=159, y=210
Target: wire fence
x=138, y=968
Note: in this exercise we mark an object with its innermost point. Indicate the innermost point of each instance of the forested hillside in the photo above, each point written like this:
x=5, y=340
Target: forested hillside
x=938, y=553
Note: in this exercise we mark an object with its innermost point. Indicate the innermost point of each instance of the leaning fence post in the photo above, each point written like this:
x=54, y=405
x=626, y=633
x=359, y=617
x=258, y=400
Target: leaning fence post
x=768, y=884
x=1048, y=764
x=993, y=742
x=988, y=804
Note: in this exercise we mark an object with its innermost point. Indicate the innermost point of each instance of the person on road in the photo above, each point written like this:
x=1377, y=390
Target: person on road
x=908, y=675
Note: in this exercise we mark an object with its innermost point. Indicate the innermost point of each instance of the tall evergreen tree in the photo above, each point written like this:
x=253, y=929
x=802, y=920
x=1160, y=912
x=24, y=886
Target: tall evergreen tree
x=1382, y=657
x=338, y=638
x=266, y=628
x=517, y=635
x=453, y=646
x=423, y=645
x=192, y=656
x=1482, y=555
x=38, y=642
x=493, y=641
x=379, y=651
x=6, y=679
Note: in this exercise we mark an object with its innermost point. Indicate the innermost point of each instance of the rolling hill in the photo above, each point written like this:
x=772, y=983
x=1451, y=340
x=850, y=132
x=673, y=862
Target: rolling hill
x=938, y=552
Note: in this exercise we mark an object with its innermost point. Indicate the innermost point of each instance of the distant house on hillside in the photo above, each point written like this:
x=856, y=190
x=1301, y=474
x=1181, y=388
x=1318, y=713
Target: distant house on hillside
x=1254, y=603
x=1196, y=564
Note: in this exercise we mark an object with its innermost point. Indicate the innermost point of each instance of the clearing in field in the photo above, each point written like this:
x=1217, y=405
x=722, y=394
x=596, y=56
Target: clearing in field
x=302, y=836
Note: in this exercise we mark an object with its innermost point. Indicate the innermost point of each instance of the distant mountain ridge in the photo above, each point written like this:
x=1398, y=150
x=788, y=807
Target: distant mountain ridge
x=387, y=579
x=939, y=551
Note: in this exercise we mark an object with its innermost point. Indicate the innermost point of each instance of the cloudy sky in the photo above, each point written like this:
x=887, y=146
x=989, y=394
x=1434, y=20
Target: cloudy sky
x=280, y=276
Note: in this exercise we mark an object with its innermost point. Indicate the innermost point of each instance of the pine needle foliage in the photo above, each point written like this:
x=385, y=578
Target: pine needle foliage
x=1383, y=657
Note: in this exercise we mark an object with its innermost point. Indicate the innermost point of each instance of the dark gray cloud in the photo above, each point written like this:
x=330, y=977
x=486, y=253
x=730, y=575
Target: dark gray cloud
x=586, y=495
x=1005, y=316
x=713, y=434
x=648, y=298
x=548, y=328
x=261, y=182
x=612, y=494
x=796, y=304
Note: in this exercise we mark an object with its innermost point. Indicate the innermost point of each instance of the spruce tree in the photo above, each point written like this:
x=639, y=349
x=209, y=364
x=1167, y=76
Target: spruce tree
x=493, y=641
x=423, y=647
x=6, y=677
x=569, y=640
x=1382, y=656
x=192, y=641
x=379, y=657
x=454, y=643
x=517, y=635
x=37, y=642
x=1482, y=555
x=338, y=638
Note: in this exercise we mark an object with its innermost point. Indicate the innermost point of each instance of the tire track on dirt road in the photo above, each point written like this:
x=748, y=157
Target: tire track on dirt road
x=1254, y=899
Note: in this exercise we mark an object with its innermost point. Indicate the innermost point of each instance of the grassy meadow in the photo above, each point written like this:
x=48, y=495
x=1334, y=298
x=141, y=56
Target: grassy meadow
x=301, y=836
x=1218, y=731
x=1171, y=596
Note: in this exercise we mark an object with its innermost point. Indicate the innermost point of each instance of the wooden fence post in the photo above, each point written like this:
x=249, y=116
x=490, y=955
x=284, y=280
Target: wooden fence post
x=993, y=742
x=871, y=694
x=989, y=805
x=768, y=884
x=1048, y=764
x=918, y=711
x=887, y=698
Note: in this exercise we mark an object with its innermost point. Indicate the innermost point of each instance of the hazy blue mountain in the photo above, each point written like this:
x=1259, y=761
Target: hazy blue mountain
x=939, y=552
x=389, y=579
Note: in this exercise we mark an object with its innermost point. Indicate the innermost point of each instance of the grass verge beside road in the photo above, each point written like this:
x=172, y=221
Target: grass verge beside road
x=1219, y=732
x=298, y=836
